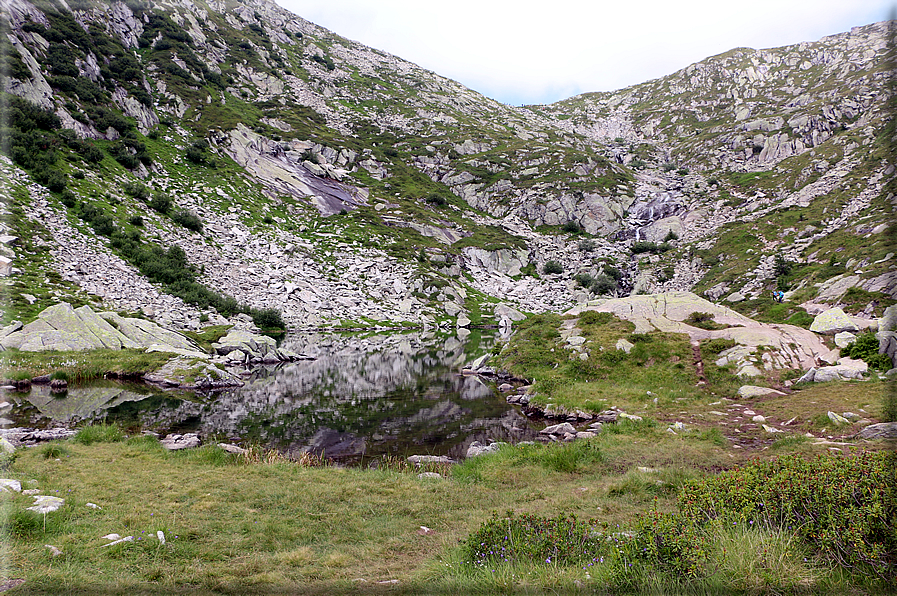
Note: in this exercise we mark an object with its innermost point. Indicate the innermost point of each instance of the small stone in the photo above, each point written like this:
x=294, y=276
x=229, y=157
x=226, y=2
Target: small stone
x=430, y=459
x=770, y=429
x=754, y=391
x=10, y=485
x=161, y=536
x=759, y=418
x=429, y=475
x=558, y=429
x=624, y=345
x=93, y=506
x=177, y=442
x=54, y=552
x=232, y=449
x=837, y=418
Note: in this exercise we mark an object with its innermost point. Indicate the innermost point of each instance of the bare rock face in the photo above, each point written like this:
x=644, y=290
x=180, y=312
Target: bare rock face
x=883, y=430
x=786, y=346
x=63, y=328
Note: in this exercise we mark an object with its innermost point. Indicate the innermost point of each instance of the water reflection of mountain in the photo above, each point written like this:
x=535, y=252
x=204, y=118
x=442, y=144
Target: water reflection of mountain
x=41, y=405
x=361, y=395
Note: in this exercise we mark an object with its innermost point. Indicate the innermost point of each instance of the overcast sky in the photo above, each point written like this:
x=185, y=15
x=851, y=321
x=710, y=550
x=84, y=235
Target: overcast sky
x=523, y=52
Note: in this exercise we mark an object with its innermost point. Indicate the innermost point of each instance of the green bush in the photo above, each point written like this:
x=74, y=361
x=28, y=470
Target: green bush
x=586, y=245
x=583, y=279
x=552, y=268
x=702, y=320
x=186, y=219
x=591, y=317
x=717, y=345
x=603, y=284
x=572, y=227
x=528, y=539
x=652, y=247
x=161, y=202
x=137, y=190
x=845, y=508
x=54, y=451
x=268, y=319
x=865, y=348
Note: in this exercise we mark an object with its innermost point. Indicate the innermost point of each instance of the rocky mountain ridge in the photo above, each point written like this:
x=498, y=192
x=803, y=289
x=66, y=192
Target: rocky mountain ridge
x=345, y=186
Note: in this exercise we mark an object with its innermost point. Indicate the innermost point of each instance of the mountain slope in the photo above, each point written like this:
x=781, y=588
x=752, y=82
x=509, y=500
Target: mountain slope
x=227, y=157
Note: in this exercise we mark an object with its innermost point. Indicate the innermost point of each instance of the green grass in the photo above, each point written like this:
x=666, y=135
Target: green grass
x=83, y=366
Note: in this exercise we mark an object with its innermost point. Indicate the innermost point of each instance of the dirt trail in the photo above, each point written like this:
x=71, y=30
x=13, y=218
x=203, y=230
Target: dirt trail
x=698, y=362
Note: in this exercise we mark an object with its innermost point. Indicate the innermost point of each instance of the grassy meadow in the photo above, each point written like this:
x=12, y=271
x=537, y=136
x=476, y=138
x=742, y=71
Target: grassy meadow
x=692, y=496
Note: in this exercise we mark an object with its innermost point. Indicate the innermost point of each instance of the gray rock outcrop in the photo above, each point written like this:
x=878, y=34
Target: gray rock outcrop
x=63, y=328
x=833, y=321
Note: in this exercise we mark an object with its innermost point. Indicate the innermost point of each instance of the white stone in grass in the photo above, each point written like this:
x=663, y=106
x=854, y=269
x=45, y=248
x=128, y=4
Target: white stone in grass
x=120, y=540
x=55, y=552
x=624, y=345
x=429, y=475
x=6, y=446
x=93, y=506
x=770, y=429
x=837, y=418
x=558, y=429
x=31, y=491
x=755, y=391
x=9, y=485
x=161, y=536
x=111, y=537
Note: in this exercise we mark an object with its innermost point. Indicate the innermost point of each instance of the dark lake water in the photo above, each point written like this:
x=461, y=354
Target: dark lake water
x=362, y=397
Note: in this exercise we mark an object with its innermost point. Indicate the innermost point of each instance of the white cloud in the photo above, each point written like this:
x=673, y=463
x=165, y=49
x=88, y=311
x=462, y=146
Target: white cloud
x=527, y=52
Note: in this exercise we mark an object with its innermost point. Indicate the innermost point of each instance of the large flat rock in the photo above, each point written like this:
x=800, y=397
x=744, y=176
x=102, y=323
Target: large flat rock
x=65, y=329
x=788, y=346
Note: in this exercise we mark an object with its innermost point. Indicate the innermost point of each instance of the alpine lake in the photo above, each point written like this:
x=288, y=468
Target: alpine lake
x=360, y=398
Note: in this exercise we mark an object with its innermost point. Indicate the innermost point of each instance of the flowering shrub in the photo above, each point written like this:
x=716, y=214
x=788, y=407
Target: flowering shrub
x=844, y=508
x=530, y=538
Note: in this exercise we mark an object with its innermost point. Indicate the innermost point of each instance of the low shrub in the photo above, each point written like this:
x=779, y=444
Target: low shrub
x=572, y=227
x=583, y=279
x=161, y=202
x=865, y=348
x=591, y=317
x=702, y=320
x=717, y=345
x=54, y=451
x=187, y=219
x=526, y=538
x=552, y=268
x=651, y=247
x=268, y=319
x=604, y=284
x=845, y=508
